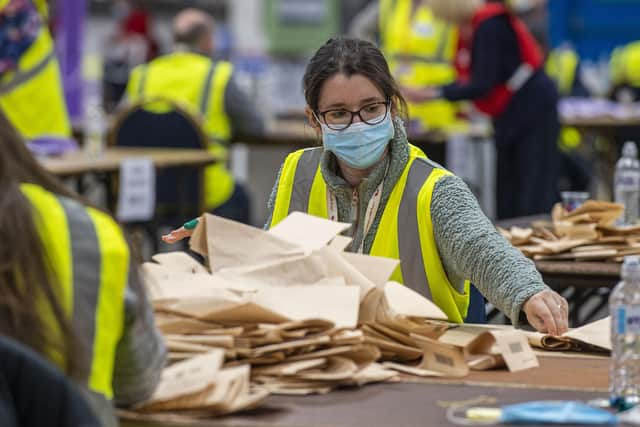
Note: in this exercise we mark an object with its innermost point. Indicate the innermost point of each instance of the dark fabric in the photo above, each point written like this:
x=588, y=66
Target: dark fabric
x=526, y=134
x=575, y=172
x=477, y=312
x=177, y=189
x=495, y=56
x=34, y=393
x=528, y=162
x=237, y=208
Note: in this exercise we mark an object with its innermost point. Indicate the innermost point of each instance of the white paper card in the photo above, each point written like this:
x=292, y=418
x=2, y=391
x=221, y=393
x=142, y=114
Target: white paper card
x=137, y=192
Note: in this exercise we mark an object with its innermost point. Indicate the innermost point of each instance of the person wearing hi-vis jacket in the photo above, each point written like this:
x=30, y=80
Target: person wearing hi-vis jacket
x=401, y=204
x=507, y=82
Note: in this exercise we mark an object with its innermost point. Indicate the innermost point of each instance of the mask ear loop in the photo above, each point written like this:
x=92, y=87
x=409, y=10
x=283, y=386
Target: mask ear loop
x=458, y=415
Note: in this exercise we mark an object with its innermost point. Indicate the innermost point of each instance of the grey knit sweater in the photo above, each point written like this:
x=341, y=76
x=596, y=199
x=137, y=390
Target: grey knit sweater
x=469, y=245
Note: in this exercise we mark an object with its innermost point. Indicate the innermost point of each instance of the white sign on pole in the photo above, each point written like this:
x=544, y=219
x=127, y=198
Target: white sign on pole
x=137, y=190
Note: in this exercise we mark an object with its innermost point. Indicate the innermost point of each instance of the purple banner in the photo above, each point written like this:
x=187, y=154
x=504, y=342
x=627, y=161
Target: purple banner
x=69, y=41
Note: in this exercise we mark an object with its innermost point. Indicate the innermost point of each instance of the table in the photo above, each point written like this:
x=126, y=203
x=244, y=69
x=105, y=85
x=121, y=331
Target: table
x=578, y=281
x=423, y=402
x=79, y=163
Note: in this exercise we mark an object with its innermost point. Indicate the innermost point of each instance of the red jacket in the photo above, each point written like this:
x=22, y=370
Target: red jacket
x=497, y=101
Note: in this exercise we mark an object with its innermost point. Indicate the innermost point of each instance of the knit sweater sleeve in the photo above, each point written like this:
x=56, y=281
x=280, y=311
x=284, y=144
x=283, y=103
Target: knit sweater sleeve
x=471, y=248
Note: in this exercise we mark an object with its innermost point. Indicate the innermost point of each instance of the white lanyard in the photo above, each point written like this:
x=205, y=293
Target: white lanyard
x=370, y=213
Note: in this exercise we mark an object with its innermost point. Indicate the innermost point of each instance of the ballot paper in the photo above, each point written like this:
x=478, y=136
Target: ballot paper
x=593, y=337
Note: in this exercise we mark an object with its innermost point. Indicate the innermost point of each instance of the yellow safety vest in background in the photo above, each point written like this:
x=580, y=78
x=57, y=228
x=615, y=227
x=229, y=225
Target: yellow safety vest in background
x=561, y=66
x=420, y=50
x=89, y=257
x=405, y=231
x=625, y=65
x=198, y=85
x=32, y=96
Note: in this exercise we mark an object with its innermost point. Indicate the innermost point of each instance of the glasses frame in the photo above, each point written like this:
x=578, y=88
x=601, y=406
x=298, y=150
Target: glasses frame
x=338, y=128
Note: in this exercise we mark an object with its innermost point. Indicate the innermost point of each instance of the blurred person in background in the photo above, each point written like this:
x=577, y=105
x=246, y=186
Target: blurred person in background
x=207, y=89
x=420, y=50
x=624, y=68
x=132, y=43
x=31, y=93
x=563, y=67
x=69, y=288
x=506, y=81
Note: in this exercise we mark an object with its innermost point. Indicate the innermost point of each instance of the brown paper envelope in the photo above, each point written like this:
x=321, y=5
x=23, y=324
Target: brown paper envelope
x=173, y=324
x=232, y=244
x=597, y=333
x=399, y=337
x=595, y=206
x=307, y=231
x=332, y=351
x=259, y=351
x=576, y=231
x=337, y=369
x=180, y=262
x=376, y=269
x=185, y=381
x=186, y=347
x=402, y=352
x=347, y=337
x=520, y=235
x=244, y=313
x=404, y=301
x=370, y=304
x=485, y=362
x=338, y=304
x=411, y=370
x=198, y=240
x=373, y=373
x=289, y=368
x=204, y=340
x=340, y=243
x=512, y=345
x=443, y=358
x=363, y=355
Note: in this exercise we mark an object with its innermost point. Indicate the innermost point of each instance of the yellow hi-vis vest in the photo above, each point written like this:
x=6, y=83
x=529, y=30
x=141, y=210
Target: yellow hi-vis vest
x=198, y=85
x=88, y=255
x=561, y=66
x=405, y=231
x=31, y=96
x=625, y=65
x=420, y=50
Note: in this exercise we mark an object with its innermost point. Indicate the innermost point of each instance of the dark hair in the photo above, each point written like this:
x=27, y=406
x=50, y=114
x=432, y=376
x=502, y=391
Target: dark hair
x=350, y=56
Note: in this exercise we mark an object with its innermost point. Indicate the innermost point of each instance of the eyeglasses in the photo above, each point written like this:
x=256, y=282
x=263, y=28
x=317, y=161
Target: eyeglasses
x=341, y=119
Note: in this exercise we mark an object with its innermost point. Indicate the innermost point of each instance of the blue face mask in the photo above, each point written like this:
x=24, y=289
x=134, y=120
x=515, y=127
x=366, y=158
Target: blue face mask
x=360, y=145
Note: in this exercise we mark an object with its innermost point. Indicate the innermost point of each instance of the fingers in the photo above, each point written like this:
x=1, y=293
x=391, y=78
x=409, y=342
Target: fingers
x=176, y=235
x=540, y=315
x=548, y=312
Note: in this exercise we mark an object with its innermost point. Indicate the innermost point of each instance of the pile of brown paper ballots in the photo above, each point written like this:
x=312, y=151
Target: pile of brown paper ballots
x=288, y=311
x=588, y=233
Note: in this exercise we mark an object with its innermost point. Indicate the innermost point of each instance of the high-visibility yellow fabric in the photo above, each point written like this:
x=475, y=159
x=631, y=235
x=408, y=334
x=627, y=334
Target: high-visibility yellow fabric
x=182, y=77
x=385, y=243
x=420, y=50
x=561, y=66
x=36, y=107
x=53, y=225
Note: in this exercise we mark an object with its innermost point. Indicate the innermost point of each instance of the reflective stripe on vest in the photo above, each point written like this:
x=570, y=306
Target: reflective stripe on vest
x=88, y=255
x=405, y=231
x=498, y=100
x=420, y=50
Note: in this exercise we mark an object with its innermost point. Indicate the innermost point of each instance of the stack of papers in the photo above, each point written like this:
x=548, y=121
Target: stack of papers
x=588, y=233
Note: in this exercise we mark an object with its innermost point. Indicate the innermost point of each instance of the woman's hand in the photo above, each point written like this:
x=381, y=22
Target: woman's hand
x=548, y=312
x=418, y=95
x=177, y=235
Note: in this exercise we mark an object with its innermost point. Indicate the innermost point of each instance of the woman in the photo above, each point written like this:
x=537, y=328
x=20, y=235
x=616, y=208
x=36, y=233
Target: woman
x=401, y=204
x=68, y=288
x=506, y=80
